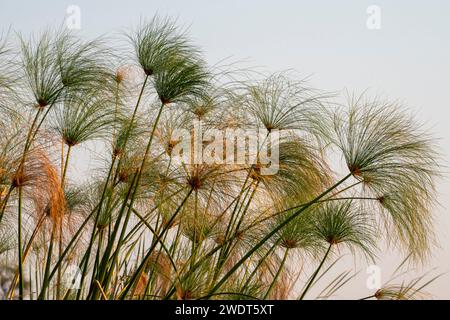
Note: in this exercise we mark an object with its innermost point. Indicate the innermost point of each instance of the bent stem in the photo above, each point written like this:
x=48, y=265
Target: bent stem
x=228, y=247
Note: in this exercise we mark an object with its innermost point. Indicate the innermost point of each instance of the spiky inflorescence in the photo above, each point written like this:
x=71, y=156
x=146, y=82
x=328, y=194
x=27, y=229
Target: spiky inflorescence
x=163, y=227
x=396, y=161
x=347, y=225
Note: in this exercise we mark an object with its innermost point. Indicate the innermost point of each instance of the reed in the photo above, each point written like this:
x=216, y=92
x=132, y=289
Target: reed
x=144, y=223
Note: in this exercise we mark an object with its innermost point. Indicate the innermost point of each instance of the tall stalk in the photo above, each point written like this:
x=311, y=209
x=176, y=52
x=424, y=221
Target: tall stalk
x=24, y=255
x=229, y=246
x=127, y=135
x=28, y=142
x=313, y=277
x=135, y=188
x=46, y=278
x=66, y=164
x=19, y=244
x=275, y=278
x=273, y=232
x=63, y=177
x=140, y=269
x=66, y=251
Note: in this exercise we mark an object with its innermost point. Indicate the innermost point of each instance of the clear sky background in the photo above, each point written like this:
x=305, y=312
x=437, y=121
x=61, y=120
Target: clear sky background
x=407, y=59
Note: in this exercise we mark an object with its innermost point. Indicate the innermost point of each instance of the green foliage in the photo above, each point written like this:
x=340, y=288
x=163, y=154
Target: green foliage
x=396, y=160
x=80, y=119
x=345, y=224
x=149, y=225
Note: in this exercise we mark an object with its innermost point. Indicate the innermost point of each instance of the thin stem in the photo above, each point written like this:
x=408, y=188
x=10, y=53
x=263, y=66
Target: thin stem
x=127, y=135
x=104, y=273
x=137, y=274
x=368, y=297
x=136, y=187
x=46, y=279
x=229, y=247
x=62, y=156
x=311, y=281
x=348, y=188
x=273, y=232
x=128, y=131
x=58, y=279
x=66, y=164
x=24, y=255
x=19, y=244
x=68, y=247
x=260, y=263
x=92, y=238
x=22, y=160
x=241, y=192
x=275, y=278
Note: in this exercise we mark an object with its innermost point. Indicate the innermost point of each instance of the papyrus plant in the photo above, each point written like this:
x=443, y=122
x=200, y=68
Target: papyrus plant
x=145, y=224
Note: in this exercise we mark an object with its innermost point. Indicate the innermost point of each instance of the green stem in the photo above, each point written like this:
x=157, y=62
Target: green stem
x=260, y=263
x=127, y=135
x=66, y=164
x=19, y=244
x=128, y=131
x=194, y=244
x=58, y=282
x=137, y=274
x=58, y=279
x=46, y=279
x=311, y=281
x=94, y=282
x=68, y=247
x=136, y=185
x=273, y=232
x=138, y=225
x=229, y=247
x=232, y=218
x=162, y=243
x=85, y=263
x=105, y=274
x=277, y=274
x=24, y=255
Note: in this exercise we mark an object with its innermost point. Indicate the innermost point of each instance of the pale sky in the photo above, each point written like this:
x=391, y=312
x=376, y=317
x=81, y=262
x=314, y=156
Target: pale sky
x=407, y=59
